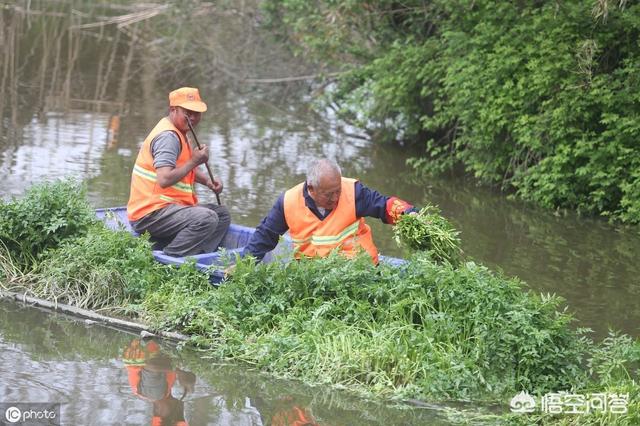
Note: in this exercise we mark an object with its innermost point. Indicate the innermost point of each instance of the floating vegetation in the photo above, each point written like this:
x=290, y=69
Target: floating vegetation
x=430, y=232
x=425, y=331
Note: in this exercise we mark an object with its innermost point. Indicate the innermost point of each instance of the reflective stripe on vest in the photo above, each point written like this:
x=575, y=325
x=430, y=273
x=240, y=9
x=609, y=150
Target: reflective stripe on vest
x=146, y=195
x=151, y=176
x=341, y=229
x=319, y=240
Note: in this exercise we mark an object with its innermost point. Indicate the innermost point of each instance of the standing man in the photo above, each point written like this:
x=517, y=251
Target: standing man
x=163, y=201
x=325, y=213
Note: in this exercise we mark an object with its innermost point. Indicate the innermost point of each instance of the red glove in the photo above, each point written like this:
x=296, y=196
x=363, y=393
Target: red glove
x=395, y=208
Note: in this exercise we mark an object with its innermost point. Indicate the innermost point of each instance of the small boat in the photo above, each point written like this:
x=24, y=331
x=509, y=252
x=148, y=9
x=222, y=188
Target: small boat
x=233, y=242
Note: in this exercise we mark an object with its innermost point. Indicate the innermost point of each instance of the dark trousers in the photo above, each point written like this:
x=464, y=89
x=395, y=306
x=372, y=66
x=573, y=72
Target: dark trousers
x=186, y=230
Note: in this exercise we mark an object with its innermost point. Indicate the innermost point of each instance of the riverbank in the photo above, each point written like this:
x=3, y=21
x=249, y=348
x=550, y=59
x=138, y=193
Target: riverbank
x=426, y=331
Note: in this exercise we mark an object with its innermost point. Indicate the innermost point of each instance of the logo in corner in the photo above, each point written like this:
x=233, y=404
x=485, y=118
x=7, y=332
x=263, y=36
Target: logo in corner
x=523, y=403
x=13, y=414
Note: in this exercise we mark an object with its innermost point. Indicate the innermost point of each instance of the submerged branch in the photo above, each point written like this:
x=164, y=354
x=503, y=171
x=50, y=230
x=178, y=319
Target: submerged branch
x=92, y=316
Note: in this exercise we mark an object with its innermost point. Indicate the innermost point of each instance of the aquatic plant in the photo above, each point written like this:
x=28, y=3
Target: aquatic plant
x=46, y=215
x=425, y=331
x=429, y=231
x=613, y=364
x=103, y=269
x=99, y=270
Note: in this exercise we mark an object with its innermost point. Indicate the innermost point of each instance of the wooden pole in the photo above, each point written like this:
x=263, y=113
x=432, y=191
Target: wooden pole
x=92, y=316
x=198, y=145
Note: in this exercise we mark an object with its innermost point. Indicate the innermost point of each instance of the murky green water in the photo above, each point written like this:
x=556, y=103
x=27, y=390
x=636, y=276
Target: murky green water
x=79, y=91
x=91, y=371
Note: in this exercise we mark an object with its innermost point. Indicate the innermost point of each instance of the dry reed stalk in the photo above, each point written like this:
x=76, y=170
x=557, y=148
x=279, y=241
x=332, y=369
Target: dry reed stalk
x=125, y=20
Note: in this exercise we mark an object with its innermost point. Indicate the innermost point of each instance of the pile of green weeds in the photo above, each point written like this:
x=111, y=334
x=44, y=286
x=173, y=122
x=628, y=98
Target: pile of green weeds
x=422, y=331
x=428, y=231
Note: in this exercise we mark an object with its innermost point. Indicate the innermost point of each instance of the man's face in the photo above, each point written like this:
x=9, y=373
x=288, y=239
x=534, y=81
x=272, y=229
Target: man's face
x=179, y=116
x=327, y=193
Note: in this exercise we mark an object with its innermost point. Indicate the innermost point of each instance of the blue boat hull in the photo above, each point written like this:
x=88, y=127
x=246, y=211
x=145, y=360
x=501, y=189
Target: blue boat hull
x=234, y=242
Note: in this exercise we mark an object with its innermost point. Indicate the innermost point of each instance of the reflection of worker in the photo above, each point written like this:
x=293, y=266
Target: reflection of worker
x=152, y=377
x=112, y=132
x=325, y=213
x=162, y=199
x=290, y=414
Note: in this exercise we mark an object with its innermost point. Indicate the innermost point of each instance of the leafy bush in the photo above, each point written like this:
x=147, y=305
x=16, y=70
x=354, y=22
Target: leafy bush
x=614, y=359
x=48, y=214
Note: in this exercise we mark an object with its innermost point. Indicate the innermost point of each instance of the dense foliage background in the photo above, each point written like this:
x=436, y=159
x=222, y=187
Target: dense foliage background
x=539, y=98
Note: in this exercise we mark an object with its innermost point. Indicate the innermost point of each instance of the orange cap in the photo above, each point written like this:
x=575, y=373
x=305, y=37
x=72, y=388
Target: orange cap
x=188, y=98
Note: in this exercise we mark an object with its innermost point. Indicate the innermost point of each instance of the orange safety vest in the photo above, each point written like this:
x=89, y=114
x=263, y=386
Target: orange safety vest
x=341, y=229
x=135, y=358
x=157, y=421
x=133, y=375
x=146, y=195
x=295, y=416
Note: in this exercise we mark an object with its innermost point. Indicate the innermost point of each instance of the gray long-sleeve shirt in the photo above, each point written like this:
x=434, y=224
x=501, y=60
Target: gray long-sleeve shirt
x=165, y=149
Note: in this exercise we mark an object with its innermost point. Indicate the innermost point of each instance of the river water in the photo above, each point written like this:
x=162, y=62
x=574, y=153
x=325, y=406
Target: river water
x=88, y=370
x=81, y=85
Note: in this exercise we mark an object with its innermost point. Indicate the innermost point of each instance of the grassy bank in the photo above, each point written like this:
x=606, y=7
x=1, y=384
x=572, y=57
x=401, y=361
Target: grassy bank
x=425, y=331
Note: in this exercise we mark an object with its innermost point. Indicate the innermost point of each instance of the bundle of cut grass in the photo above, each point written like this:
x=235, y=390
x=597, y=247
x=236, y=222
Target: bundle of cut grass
x=427, y=231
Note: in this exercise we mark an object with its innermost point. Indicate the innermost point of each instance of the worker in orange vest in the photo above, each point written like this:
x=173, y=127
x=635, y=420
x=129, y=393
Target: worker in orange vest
x=162, y=199
x=152, y=377
x=288, y=413
x=325, y=213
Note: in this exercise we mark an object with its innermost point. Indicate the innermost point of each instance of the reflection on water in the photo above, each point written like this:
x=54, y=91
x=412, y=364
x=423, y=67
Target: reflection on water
x=77, y=100
x=82, y=85
x=102, y=376
x=152, y=377
x=59, y=146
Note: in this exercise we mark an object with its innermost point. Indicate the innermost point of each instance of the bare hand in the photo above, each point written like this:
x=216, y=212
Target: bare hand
x=187, y=379
x=200, y=155
x=228, y=272
x=215, y=185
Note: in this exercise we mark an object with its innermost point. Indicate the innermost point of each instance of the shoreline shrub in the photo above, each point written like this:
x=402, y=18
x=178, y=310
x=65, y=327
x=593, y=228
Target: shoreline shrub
x=46, y=215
